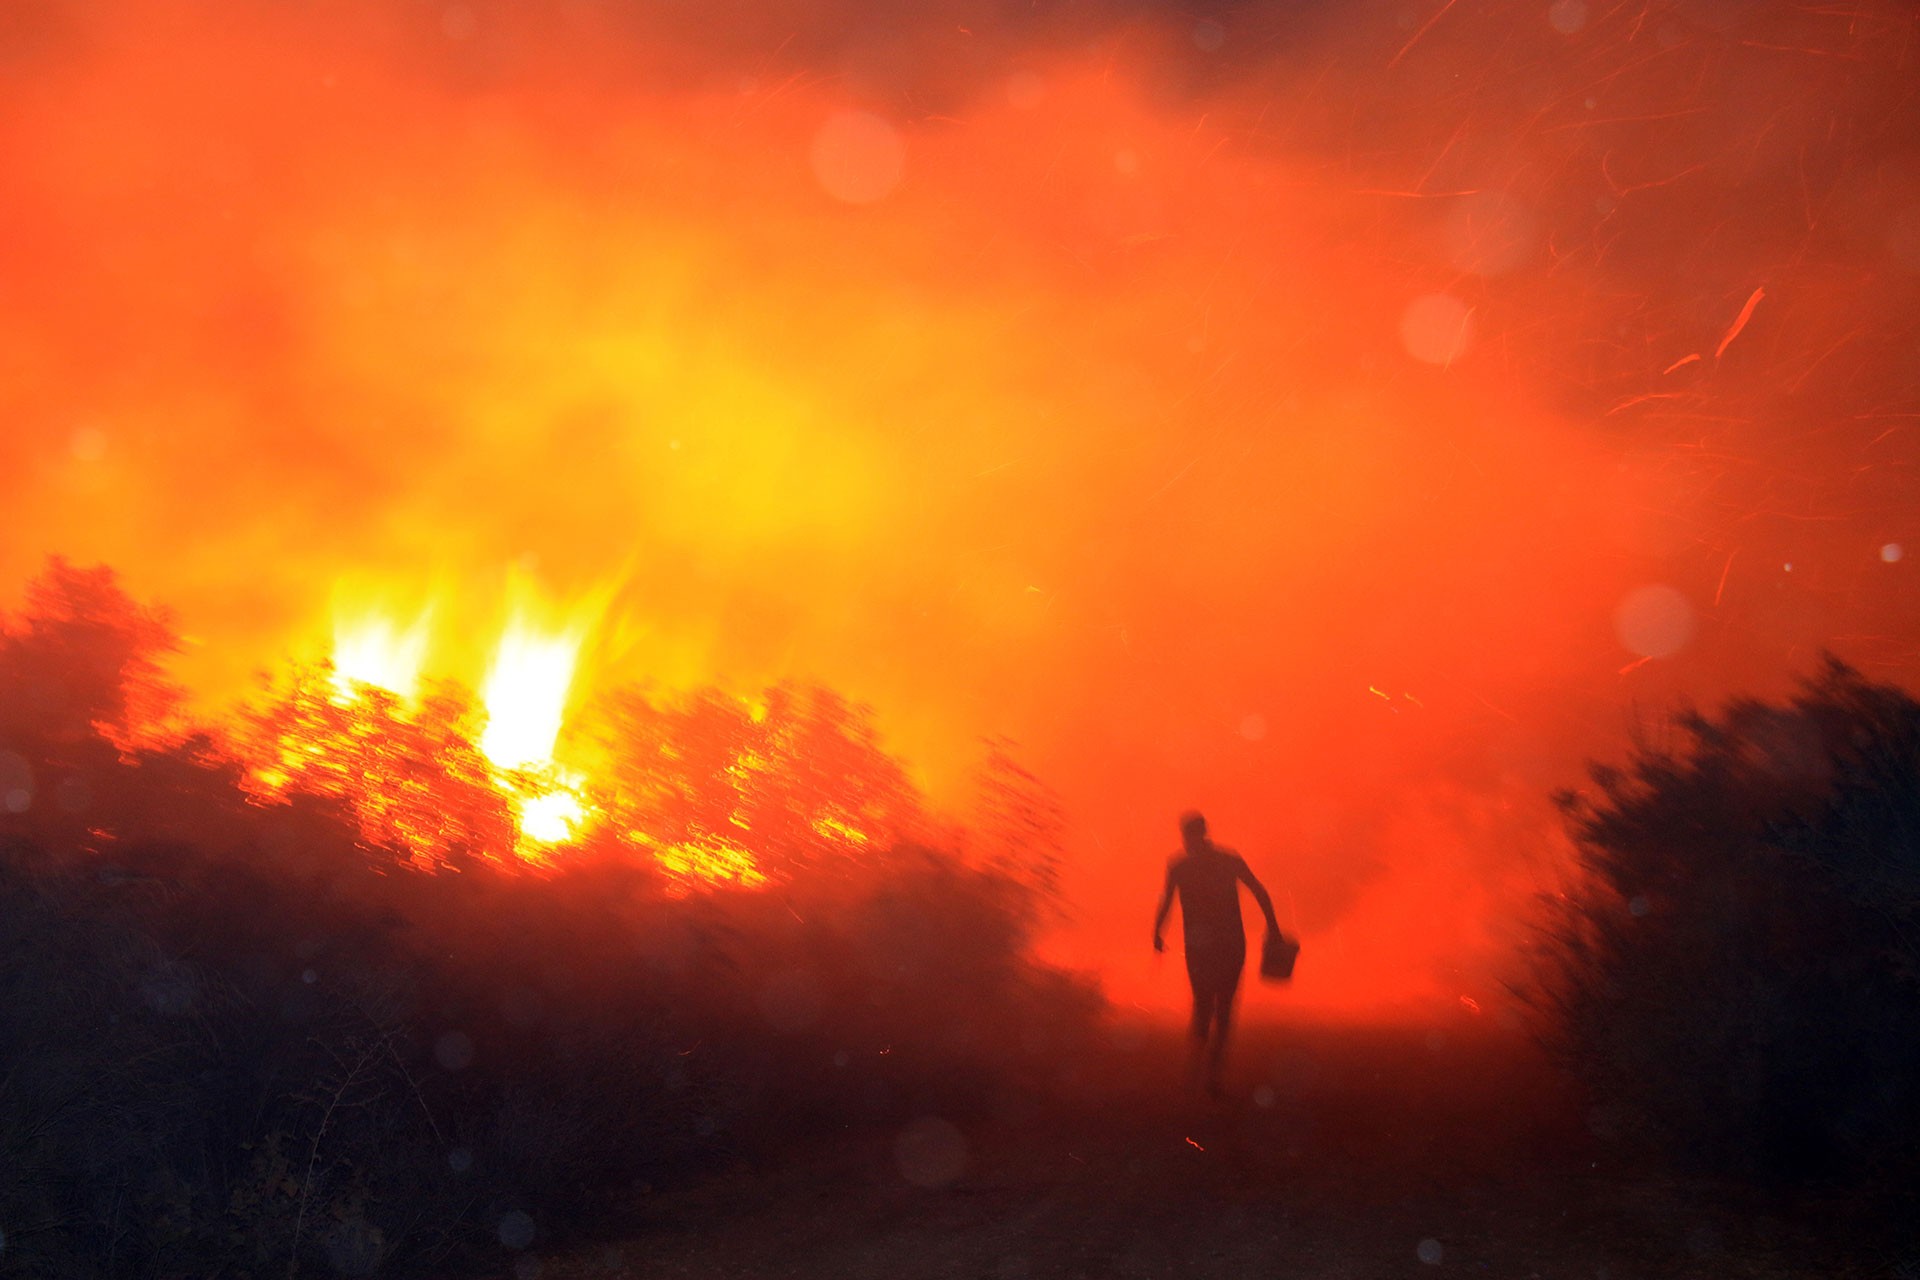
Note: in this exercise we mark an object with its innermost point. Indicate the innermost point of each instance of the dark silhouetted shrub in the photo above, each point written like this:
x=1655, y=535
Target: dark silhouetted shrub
x=1738, y=977
x=253, y=1031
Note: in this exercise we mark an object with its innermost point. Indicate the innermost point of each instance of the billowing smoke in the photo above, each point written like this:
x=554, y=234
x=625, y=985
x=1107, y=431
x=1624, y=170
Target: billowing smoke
x=1342, y=418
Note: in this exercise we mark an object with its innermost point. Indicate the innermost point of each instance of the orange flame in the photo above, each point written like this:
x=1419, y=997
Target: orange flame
x=373, y=649
x=526, y=692
x=378, y=664
x=551, y=817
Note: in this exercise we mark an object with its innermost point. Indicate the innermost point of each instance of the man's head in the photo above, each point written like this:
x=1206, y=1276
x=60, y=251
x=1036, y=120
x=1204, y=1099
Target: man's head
x=1193, y=829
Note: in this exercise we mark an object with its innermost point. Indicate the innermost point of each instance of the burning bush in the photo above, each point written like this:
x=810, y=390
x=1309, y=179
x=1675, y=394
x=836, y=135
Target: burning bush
x=1739, y=977
x=331, y=1018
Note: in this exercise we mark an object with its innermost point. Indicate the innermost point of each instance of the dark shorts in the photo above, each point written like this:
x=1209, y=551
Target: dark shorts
x=1215, y=971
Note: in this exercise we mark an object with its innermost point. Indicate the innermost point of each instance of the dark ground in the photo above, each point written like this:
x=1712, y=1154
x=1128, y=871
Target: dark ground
x=1341, y=1152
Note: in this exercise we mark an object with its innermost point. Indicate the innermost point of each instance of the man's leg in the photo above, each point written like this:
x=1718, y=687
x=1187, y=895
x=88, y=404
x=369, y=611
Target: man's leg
x=1198, y=1031
x=1222, y=1026
x=1202, y=1013
x=1217, y=1048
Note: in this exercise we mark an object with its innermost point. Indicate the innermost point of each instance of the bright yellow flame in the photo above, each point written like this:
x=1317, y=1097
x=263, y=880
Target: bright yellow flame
x=551, y=818
x=371, y=649
x=526, y=693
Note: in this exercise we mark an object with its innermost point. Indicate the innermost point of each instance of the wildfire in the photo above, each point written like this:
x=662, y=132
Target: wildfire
x=712, y=862
x=430, y=767
x=372, y=649
x=526, y=692
x=553, y=817
x=373, y=737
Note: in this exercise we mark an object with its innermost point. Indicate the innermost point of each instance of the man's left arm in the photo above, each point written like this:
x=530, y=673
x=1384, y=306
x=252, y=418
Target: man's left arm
x=1259, y=892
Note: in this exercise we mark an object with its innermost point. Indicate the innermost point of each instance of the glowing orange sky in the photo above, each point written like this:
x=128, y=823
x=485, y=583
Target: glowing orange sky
x=1271, y=410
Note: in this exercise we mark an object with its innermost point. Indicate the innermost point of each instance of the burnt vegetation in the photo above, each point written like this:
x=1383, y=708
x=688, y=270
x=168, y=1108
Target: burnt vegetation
x=335, y=1027
x=1738, y=978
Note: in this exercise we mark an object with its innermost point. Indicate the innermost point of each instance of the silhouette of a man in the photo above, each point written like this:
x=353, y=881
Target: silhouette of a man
x=1208, y=878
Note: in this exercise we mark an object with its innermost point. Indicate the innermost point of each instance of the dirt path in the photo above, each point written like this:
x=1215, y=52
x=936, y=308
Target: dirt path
x=1341, y=1153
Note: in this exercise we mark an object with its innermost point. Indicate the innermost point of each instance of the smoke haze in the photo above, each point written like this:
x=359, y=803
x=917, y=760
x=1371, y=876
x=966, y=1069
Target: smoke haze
x=1343, y=419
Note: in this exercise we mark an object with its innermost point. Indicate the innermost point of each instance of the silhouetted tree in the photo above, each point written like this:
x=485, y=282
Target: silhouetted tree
x=82, y=655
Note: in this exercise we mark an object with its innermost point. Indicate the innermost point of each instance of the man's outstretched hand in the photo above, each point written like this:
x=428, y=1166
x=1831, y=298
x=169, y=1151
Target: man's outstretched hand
x=1159, y=944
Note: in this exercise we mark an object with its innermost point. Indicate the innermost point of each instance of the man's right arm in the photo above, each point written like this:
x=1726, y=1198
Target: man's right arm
x=1160, y=916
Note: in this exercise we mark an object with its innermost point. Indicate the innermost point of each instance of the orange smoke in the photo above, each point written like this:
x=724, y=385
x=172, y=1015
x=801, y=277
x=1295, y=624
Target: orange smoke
x=1291, y=416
